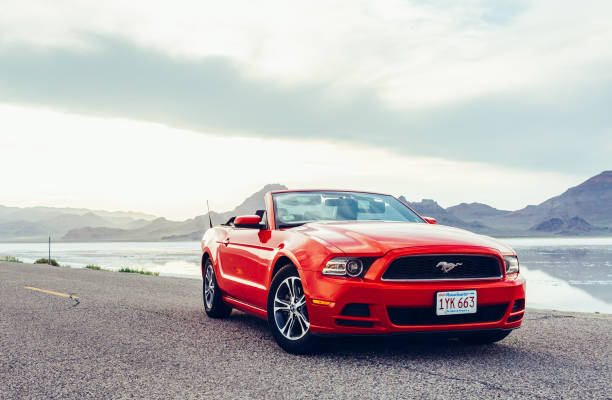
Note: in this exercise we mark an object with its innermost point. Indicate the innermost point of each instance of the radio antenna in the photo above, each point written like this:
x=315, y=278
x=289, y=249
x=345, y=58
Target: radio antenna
x=209, y=219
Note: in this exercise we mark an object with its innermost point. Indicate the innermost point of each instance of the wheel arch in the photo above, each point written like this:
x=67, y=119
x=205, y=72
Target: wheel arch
x=282, y=259
x=279, y=263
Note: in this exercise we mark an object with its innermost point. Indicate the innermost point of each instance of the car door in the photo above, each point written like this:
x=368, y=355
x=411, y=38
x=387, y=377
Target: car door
x=245, y=257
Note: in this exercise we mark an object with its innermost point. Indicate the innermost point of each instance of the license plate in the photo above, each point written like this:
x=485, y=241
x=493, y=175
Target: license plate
x=457, y=302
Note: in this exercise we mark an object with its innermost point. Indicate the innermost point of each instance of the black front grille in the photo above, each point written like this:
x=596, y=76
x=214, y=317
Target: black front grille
x=427, y=315
x=433, y=267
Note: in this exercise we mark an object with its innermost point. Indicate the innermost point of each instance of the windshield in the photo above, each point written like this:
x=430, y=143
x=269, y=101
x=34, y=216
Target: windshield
x=297, y=208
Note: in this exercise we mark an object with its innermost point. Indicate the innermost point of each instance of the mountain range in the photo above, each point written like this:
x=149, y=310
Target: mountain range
x=585, y=209
x=34, y=223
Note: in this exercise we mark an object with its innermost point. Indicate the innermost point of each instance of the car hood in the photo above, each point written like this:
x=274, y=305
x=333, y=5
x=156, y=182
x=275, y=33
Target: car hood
x=369, y=237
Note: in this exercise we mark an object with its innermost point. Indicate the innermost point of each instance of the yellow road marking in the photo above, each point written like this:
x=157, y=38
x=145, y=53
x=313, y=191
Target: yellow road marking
x=51, y=292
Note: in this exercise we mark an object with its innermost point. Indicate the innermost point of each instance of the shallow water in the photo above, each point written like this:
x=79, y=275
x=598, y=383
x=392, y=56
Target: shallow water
x=567, y=274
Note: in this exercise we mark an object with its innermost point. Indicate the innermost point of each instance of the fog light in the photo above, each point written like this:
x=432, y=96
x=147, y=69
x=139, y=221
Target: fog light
x=354, y=267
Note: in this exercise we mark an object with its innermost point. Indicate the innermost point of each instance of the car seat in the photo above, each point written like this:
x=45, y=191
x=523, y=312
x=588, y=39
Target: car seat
x=347, y=209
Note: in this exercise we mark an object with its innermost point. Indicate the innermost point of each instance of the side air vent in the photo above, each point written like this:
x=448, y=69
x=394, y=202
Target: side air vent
x=518, y=305
x=356, y=310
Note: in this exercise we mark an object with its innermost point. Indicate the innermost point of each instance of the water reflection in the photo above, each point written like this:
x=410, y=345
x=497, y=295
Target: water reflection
x=548, y=292
x=573, y=267
x=568, y=274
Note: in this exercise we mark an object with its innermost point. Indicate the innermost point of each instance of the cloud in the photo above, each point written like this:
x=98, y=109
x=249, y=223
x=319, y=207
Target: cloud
x=116, y=78
x=410, y=53
x=62, y=159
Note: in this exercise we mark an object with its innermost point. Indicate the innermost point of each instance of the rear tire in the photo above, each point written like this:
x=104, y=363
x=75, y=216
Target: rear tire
x=288, y=314
x=214, y=305
x=484, y=337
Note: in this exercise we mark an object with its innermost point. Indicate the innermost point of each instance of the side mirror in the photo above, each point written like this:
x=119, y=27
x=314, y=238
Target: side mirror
x=430, y=220
x=248, y=221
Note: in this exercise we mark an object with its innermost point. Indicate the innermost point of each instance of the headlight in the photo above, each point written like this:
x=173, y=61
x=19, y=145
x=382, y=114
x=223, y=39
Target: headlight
x=344, y=266
x=354, y=267
x=512, y=264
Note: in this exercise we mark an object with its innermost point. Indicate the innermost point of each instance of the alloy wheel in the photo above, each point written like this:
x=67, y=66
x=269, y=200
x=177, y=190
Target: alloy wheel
x=209, y=286
x=290, y=312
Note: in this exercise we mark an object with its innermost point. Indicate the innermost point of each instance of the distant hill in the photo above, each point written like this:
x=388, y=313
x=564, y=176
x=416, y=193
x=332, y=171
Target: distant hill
x=430, y=208
x=591, y=201
x=36, y=223
x=77, y=224
x=475, y=211
x=163, y=229
x=40, y=213
x=158, y=229
x=255, y=201
x=572, y=226
x=585, y=209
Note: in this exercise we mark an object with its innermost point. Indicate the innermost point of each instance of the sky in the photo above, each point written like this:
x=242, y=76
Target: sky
x=158, y=106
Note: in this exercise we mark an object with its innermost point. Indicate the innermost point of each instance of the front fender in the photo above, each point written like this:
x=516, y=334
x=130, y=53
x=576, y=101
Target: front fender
x=280, y=254
x=307, y=255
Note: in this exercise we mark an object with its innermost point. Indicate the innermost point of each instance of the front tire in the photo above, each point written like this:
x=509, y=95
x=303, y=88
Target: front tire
x=288, y=313
x=214, y=305
x=485, y=337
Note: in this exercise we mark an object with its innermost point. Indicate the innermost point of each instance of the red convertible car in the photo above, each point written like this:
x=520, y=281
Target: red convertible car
x=321, y=262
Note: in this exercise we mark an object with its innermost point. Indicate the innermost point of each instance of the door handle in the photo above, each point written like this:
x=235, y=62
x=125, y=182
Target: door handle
x=226, y=241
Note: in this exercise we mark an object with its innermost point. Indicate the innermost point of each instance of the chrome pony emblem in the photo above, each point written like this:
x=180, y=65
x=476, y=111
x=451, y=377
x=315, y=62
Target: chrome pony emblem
x=446, y=266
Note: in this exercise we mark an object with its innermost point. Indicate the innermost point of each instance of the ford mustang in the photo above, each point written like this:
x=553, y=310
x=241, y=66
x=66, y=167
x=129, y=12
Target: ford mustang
x=330, y=262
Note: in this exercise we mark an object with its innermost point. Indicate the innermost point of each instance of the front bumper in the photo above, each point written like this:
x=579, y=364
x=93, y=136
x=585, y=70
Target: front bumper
x=380, y=296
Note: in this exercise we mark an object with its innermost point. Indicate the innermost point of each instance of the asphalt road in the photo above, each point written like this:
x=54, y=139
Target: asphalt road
x=134, y=336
